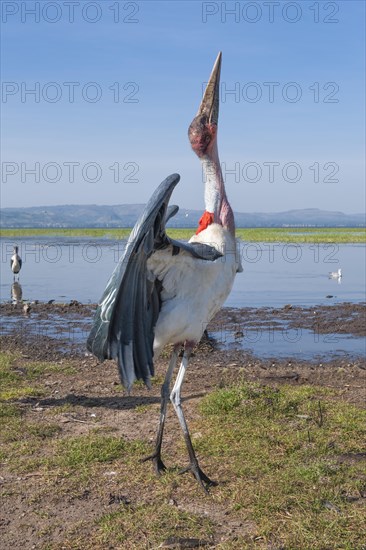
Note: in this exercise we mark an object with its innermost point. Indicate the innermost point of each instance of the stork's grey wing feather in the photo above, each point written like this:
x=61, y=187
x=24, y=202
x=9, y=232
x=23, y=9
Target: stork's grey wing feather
x=126, y=316
x=172, y=210
x=198, y=250
x=125, y=319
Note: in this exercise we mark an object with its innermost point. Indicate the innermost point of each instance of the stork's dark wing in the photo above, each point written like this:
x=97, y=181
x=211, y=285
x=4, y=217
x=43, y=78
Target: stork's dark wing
x=201, y=251
x=126, y=315
x=125, y=319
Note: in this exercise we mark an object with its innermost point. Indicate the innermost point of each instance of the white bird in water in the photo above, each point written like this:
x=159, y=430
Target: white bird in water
x=15, y=262
x=165, y=291
x=335, y=274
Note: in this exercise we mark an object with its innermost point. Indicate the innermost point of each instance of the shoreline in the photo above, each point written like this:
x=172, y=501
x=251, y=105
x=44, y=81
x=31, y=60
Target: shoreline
x=58, y=332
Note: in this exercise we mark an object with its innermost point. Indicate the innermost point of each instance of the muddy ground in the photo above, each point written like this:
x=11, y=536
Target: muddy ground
x=52, y=332
x=57, y=333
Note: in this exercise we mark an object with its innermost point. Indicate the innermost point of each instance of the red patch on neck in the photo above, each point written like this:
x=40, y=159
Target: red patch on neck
x=206, y=219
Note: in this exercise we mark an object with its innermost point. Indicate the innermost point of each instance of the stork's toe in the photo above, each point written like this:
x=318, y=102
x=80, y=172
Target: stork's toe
x=159, y=465
x=201, y=477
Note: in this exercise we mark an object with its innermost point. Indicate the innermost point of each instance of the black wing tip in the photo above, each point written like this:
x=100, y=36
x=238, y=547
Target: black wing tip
x=174, y=176
x=169, y=180
x=172, y=210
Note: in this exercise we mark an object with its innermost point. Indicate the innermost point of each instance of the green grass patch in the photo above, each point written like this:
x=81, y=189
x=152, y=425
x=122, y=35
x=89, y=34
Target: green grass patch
x=284, y=447
x=20, y=379
x=82, y=451
x=21, y=392
x=17, y=376
x=288, y=460
x=9, y=410
x=292, y=235
x=42, y=430
x=150, y=524
x=304, y=235
x=36, y=371
x=255, y=234
x=36, y=447
x=7, y=375
x=13, y=382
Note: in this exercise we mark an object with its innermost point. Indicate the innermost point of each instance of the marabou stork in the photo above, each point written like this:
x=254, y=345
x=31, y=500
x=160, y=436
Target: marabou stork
x=165, y=291
x=15, y=262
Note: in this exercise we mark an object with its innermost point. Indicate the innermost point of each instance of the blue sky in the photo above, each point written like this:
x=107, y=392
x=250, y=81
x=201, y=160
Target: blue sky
x=291, y=132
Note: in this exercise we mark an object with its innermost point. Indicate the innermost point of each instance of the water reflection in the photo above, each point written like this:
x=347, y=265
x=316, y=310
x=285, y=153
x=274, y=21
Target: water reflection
x=16, y=293
x=336, y=275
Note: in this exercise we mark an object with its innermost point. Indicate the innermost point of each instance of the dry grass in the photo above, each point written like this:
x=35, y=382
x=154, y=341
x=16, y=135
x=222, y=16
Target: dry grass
x=288, y=459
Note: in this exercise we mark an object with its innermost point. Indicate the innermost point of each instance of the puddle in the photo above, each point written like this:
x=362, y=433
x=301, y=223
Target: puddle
x=278, y=341
x=71, y=332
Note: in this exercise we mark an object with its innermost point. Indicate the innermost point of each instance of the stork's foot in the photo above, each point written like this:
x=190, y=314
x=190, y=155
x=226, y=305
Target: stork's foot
x=159, y=465
x=201, y=477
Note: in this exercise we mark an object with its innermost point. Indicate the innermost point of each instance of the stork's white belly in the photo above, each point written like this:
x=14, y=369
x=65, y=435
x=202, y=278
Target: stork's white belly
x=193, y=289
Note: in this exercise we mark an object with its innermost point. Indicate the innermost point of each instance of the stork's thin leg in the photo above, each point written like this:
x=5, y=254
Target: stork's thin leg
x=165, y=389
x=193, y=467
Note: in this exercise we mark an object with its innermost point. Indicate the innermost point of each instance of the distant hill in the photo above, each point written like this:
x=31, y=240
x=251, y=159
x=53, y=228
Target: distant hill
x=125, y=215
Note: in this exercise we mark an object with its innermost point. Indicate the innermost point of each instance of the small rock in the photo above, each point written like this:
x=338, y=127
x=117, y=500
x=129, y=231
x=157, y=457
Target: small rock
x=331, y=506
x=118, y=499
x=181, y=542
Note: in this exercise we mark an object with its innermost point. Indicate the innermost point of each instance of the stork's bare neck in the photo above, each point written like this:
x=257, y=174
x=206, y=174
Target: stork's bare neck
x=203, y=137
x=216, y=201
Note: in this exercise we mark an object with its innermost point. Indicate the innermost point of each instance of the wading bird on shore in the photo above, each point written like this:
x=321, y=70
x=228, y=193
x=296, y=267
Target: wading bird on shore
x=15, y=262
x=165, y=291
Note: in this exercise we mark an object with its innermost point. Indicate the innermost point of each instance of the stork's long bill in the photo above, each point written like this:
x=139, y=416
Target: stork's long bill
x=202, y=134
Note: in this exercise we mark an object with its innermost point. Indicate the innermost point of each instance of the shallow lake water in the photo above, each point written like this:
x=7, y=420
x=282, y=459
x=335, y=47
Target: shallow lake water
x=274, y=274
